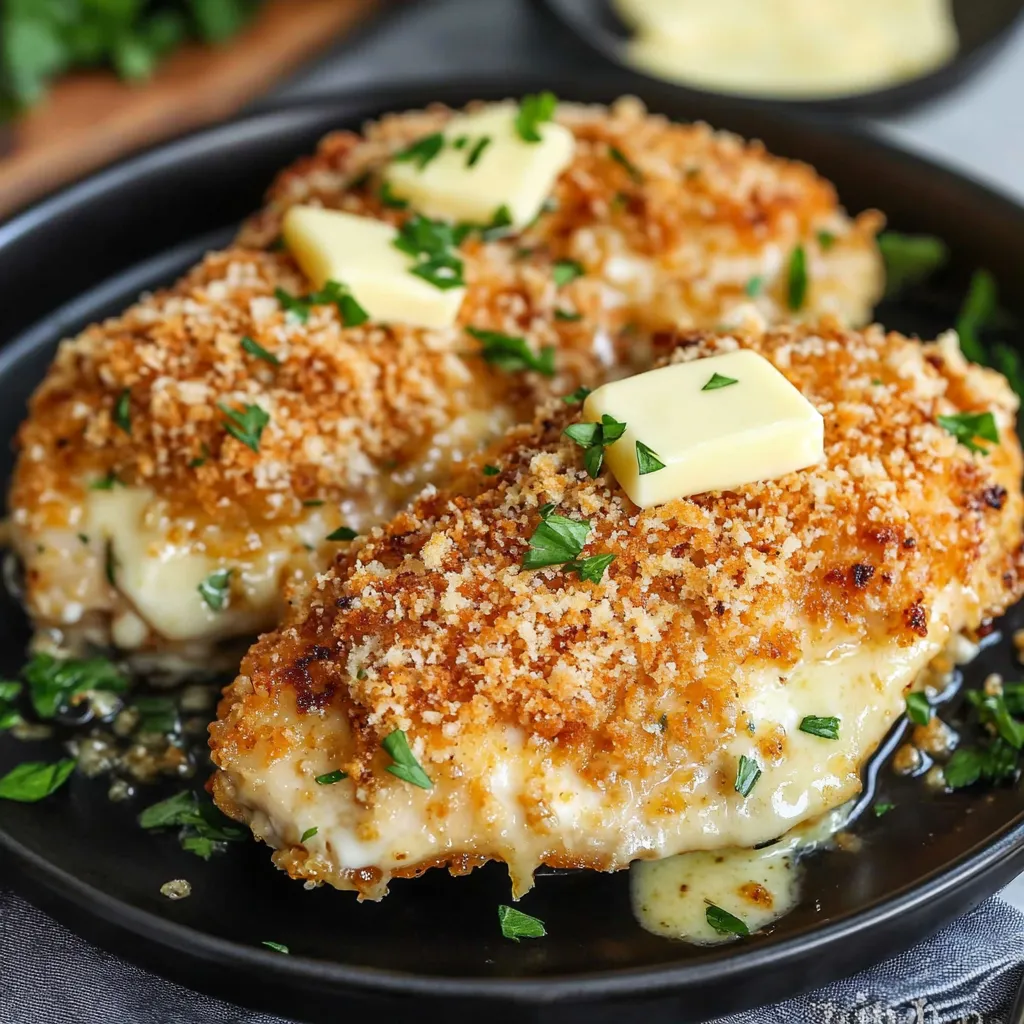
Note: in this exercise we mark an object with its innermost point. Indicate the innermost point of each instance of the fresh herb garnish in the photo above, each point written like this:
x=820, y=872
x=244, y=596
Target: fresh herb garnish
x=422, y=151
x=203, y=829
x=277, y=947
x=331, y=778
x=909, y=259
x=796, y=284
x=993, y=711
x=966, y=426
x=564, y=271
x=157, y=715
x=979, y=309
x=647, y=459
x=724, y=922
x=201, y=458
x=431, y=243
x=388, y=197
x=994, y=762
x=313, y=503
x=123, y=411
x=54, y=682
x=105, y=483
x=512, y=354
x=478, y=150
x=309, y=833
x=718, y=381
x=335, y=294
x=9, y=716
x=747, y=773
x=343, y=533
x=293, y=305
x=631, y=168
x=443, y=272
x=516, y=925
x=755, y=286
x=534, y=111
x=882, y=807
x=215, y=589
x=592, y=568
x=568, y=316
x=490, y=470
x=576, y=396
x=405, y=765
x=110, y=563
x=593, y=438
x=245, y=426
x=1007, y=361
x=919, y=711
x=257, y=350
x=826, y=240
x=556, y=540
x=826, y=728
x=33, y=781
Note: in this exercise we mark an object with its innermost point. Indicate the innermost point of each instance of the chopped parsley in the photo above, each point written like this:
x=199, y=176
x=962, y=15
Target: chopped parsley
x=490, y=470
x=105, y=483
x=157, y=715
x=516, y=925
x=755, y=286
x=33, y=781
x=565, y=271
x=110, y=563
x=257, y=350
x=388, y=197
x=557, y=540
x=796, y=284
x=203, y=830
x=724, y=922
x=331, y=778
x=333, y=293
x=431, y=243
x=277, y=947
x=966, y=426
x=979, y=309
x=992, y=762
x=343, y=533
x=54, y=682
x=443, y=272
x=883, y=807
x=9, y=716
x=576, y=396
x=826, y=240
x=422, y=151
x=293, y=305
x=405, y=766
x=919, y=711
x=535, y=110
x=512, y=354
x=123, y=411
x=568, y=316
x=826, y=728
x=309, y=833
x=993, y=711
x=592, y=568
x=215, y=589
x=245, y=426
x=647, y=460
x=593, y=438
x=201, y=458
x=631, y=168
x=1008, y=362
x=718, y=381
x=478, y=150
x=747, y=773
x=313, y=503
x=909, y=259
x=497, y=227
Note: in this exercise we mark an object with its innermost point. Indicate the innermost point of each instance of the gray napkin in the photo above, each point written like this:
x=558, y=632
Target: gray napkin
x=964, y=975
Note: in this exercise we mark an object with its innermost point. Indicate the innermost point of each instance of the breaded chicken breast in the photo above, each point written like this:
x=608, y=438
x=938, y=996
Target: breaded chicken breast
x=183, y=462
x=430, y=701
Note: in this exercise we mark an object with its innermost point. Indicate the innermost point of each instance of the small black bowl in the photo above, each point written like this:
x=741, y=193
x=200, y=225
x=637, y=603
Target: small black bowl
x=432, y=948
x=983, y=27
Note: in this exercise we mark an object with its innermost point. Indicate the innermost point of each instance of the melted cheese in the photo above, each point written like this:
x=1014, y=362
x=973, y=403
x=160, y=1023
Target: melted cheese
x=790, y=47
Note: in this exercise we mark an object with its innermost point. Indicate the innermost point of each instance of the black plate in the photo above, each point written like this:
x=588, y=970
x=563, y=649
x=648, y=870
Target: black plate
x=984, y=28
x=87, y=253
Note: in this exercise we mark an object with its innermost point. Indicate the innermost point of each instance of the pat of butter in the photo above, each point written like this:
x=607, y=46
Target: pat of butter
x=508, y=171
x=359, y=252
x=758, y=428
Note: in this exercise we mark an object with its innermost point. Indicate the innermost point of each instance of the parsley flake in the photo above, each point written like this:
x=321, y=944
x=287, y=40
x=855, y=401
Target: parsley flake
x=826, y=728
x=979, y=309
x=277, y=947
x=724, y=922
x=478, y=151
x=965, y=426
x=557, y=540
x=747, y=774
x=718, y=381
x=631, y=168
x=33, y=781
x=331, y=778
x=105, y=483
x=123, y=411
x=826, y=240
x=919, y=711
x=388, y=197
x=647, y=460
x=909, y=259
x=592, y=568
x=568, y=316
x=405, y=765
x=245, y=426
x=490, y=470
x=309, y=833
x=576, y=396
x=343, y=533
x=158, y=715
x=422, y=151
x=203, y=830
x=293, y=305
x=512, y=354
x=53, y=683
x=201, y=458
x=594, y=438
x=214, y=590
x=257, y=350
x=430, y=242
x=516, y=925
x=564, y=271
x=796, y=285
x=993, y=711
x=882, y=808
x=534, y=110
x=994, y=762
x=755, y=286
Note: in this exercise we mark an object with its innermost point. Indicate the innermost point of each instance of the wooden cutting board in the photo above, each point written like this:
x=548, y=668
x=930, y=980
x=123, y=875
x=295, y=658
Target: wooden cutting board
x=91, y=118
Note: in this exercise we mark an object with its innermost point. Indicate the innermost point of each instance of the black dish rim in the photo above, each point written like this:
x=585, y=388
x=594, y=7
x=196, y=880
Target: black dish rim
x=979, y=871
x=893, y=100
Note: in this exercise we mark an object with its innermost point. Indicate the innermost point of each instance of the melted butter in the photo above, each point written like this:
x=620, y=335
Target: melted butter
x=790, y=47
